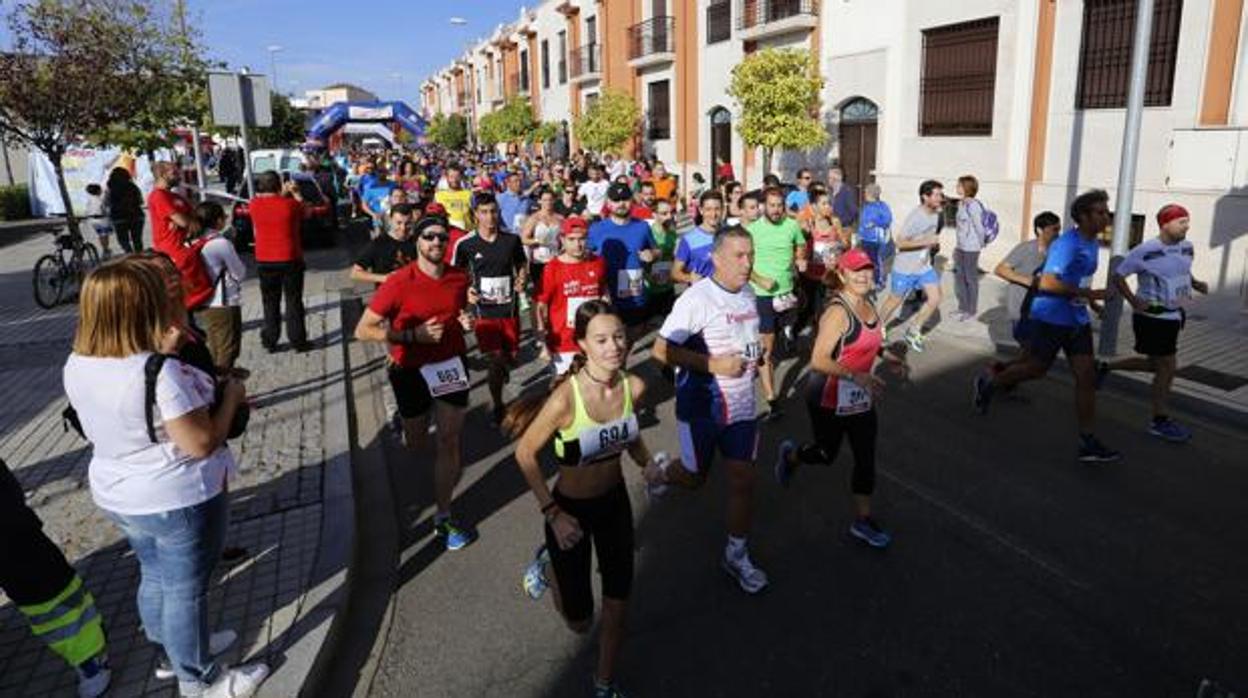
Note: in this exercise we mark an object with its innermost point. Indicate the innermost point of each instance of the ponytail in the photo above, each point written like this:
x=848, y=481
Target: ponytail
x=523, y=410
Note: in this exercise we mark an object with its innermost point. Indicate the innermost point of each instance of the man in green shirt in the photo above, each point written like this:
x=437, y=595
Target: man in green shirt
x=661, y=291
x=778, y=246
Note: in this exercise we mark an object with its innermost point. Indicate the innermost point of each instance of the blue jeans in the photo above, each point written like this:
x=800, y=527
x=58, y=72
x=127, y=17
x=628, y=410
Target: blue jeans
x=177, y=551
x=879, y=255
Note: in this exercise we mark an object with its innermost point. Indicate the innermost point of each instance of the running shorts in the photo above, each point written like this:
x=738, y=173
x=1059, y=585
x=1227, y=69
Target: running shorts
x=1155, y=336
x=903, y=284
x=701, y=438
x=1047, y=339
x=411, y=392
x=607, y=524
x=498, y=335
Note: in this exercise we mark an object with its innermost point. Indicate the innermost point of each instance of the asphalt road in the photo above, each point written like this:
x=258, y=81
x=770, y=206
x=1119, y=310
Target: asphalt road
x=1015, y=570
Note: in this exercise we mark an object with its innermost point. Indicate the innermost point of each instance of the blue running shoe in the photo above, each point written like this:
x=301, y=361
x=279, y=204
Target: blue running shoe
x=868, y=531
x=535, y=583
x=1091, y=450
x=1170, y=430
x=785, y=464
x=454, y=537
x=982, y=395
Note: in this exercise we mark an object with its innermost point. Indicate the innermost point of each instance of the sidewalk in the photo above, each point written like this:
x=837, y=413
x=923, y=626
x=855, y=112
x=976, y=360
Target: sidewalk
x=290, y=506
x=1213, y=359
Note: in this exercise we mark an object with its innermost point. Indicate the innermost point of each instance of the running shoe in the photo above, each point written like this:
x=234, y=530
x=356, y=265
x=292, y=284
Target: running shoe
x=751, y=579
x=238, y=682
x=915, y=340
x=218, y=643
x=535, y=583
x=1170, y=430
x=786, y=465
x=868, y=531
x=982, y=395
x=1091, y=450
x=496, y=417
x=453, y=536
x=1102, y=372
x=94, y=676
x=607, y=690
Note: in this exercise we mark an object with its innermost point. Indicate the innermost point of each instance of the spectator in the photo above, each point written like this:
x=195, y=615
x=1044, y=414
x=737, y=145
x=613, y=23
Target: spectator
x=971, y=239
x=799, y=198
x=844, y=198
x=162, y=482
x=222, y=319
x=276, y=213
x=664, y=184
x=97, y=215
x=723, y=172
x=230, y=167
x=125, y=209
x=873, y=232
x=170, y=212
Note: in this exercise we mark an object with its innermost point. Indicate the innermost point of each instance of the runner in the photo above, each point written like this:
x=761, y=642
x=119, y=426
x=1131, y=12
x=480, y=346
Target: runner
x=826, y=240
x=778, y=246
x=496, y=264
x=1163, y=270
x=594, y=192
x=1059, y=312
x=386, y=253
x=540, y=236
x=751, y=208
x=421, y=312
x=841, y=391
x=1021, y=268
x=912, y=266
x=456, y=198
x=590, y=420
x=569, y=281
x=712, y=338
x=693, y=260
x=627, y=246
x=661, y=291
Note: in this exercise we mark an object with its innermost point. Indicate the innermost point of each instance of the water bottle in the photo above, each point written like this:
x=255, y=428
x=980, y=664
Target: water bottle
x=657, y=490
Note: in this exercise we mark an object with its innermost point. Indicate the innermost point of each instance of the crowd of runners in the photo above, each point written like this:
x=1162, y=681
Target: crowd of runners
x=569, y=263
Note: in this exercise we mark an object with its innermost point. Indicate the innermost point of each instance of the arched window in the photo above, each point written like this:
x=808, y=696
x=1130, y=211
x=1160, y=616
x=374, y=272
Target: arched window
x=859, y=110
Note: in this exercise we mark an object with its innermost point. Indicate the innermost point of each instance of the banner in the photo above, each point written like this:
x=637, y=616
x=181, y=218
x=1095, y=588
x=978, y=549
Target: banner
x=82, y=166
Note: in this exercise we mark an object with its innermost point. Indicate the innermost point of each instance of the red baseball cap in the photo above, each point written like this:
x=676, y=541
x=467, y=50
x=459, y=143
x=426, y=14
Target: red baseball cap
x=573, y=224
x=855, y=260
x=434, y=208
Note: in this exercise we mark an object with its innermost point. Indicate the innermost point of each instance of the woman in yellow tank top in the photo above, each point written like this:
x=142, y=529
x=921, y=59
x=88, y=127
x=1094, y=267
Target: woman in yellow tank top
x=589, y=416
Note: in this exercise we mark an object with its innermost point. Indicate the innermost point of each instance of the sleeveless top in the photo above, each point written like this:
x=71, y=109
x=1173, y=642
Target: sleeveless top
x=587, y=442
x=547, y=236
x=856, y=350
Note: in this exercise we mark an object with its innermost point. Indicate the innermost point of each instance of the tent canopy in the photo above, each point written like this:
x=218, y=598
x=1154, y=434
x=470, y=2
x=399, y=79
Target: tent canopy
x=342, y=113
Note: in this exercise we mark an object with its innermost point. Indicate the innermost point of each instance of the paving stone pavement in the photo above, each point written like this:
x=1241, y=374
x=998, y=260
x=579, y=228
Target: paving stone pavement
x=298, y=425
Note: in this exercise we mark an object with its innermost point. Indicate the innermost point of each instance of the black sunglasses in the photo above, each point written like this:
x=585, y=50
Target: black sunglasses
x=440, y=237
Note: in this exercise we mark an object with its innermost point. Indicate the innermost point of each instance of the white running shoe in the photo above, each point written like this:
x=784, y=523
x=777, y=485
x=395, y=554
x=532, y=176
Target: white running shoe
x=239, y=682
x=751, y=579
x=218, y=643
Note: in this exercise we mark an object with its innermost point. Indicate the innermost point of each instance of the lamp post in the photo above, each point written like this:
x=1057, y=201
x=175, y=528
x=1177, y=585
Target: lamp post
x=273, y=50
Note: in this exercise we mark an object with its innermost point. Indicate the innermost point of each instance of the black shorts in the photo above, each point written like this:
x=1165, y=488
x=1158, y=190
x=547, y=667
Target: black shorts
x=1155, y=336
x=767, y=319
x=635, y=316
x=1047, y=339
x=607, y=522
x=411, y=392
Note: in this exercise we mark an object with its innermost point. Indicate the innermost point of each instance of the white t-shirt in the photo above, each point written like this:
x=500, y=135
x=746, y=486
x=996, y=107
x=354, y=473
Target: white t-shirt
x=128, y=473
x=595, y=194
x=219, y=255
x=1164, y=273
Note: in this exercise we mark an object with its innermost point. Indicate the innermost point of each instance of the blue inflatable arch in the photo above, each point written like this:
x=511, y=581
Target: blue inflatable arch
x=342, y=113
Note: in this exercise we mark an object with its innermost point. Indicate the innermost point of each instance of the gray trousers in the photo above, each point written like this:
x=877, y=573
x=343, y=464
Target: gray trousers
x=966, y=281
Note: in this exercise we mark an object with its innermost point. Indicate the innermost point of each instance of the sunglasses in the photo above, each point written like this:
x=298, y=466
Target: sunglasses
x=430, y=237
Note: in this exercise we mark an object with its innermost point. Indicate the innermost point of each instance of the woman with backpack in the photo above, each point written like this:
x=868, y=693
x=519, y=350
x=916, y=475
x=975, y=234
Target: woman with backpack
x=222, y=318
x=972, y=237
x=159, y=462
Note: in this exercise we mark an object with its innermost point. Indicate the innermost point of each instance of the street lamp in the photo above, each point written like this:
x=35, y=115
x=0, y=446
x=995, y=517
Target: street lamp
x=273, y=51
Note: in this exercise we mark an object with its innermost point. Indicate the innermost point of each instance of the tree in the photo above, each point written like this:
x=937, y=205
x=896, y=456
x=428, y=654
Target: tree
x=449, y=131
x=608, y=123
x=289, y=127
x=71, y=71
x=544, y=133
x=778, y=90
x=510, y=124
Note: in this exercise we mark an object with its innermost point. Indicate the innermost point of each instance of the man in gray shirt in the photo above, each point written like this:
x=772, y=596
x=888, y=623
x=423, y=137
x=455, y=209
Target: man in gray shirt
x=1021, y=266
x=912, y=266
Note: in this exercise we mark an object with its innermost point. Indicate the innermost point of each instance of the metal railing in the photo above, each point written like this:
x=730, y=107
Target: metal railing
x=753, y=13
x=656, y=35
x=718, y=21
x=584, y=60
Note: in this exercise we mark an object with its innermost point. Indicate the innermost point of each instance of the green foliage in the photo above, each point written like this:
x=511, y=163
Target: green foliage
x=289, y=126
x=15, y=202
x=778, y=90
x=544, y=132
x=448, y=131
x=608, y=123
x=510, y=124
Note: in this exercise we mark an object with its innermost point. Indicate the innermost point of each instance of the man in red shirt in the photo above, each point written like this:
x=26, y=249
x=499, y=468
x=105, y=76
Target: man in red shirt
x=421, y=311
x=575, y=276
x=171, y=214
x=277, y=216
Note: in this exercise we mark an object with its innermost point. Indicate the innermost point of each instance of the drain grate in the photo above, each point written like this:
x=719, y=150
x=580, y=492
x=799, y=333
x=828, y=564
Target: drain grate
x=1212, y=378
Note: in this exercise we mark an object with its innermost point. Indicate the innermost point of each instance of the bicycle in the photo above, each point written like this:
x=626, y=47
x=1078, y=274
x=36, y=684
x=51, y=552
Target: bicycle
x=58, y=271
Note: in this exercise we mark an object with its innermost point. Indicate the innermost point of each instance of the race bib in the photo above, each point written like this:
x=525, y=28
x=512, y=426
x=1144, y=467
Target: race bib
x=496, y=290
x=445, y=377
x=606, y=440
x=748, y=341
x=1085, y=282
x=630, y=283
x=851, y=398
x=574, y=304
x=1174, y=292
x=784, y=302
x=661, y=273
x=542, y=254
x=823, y=248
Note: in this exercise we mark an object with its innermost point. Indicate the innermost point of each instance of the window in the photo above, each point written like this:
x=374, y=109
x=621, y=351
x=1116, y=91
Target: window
x=590, y=100
x=1105, y=53
x=591, y=30
x=545, y=64
x=563, y=57
x=718, y=21
x=524, y=70
x=660, y=116
x=480, y=79
x=959, y=79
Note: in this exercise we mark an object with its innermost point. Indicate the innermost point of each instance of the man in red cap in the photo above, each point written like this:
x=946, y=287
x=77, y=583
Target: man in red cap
x=1164, y=284
x=575, y=276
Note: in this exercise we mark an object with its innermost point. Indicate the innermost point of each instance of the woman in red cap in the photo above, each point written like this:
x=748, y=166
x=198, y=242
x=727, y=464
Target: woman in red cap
x=841, y=390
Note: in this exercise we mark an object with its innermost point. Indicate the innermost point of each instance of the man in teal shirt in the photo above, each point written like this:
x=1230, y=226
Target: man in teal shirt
x=778, y=246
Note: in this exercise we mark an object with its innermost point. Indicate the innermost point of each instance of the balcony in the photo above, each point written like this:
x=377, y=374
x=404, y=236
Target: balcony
x=718, y=21
x=762, y=19
x=652, y=42
x=585, y=63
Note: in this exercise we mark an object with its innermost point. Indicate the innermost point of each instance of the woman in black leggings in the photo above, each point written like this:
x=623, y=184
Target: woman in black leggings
x=841, y=390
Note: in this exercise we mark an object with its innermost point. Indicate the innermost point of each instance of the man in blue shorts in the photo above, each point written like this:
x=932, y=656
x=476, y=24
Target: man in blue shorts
x=711, y=337
x=627, y=245
x=912, y=266
x=1060, y=322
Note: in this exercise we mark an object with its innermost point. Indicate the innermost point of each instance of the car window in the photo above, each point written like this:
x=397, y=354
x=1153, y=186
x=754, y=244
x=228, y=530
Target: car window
x=263, y=163
x=291, y=163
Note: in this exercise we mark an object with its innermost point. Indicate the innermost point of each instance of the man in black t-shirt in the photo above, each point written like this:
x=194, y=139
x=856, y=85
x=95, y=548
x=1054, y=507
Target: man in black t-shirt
x=386, y=253
x=496, y=264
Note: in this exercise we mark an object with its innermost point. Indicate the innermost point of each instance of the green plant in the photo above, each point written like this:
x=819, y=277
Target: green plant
x=608, y=123
x=778, y=90
x=15, y=202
